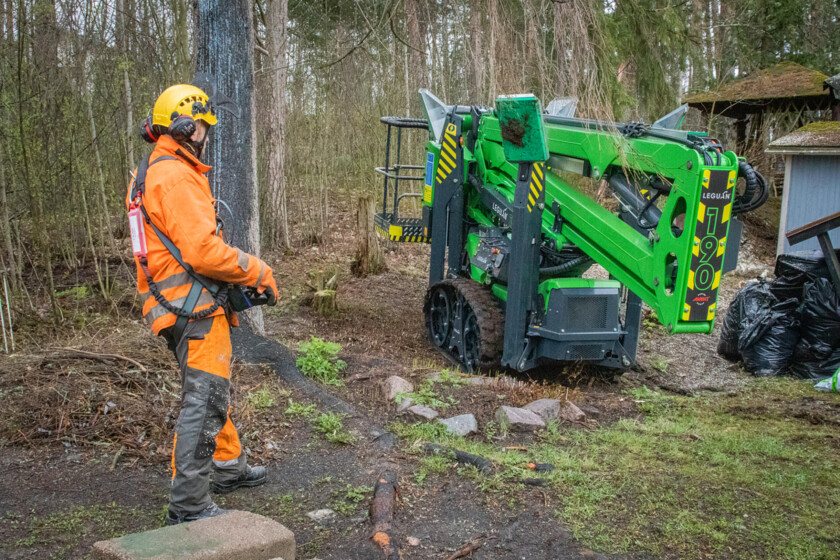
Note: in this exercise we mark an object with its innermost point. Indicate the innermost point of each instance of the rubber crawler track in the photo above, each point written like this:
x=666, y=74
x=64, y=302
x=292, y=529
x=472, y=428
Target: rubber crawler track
x=488, y=314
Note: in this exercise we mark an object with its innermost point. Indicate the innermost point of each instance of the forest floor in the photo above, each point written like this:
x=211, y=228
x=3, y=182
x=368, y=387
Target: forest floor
x=683, y=456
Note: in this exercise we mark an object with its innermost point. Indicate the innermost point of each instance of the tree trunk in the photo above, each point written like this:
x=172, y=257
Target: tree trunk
x=494, y=23
x=369, y=258
x=417, y=56
x=7, y=230
x=278, y=226
x=45, y=54
x=122, y=45
x=475, y=65
x=560, y=39
x=224, y=50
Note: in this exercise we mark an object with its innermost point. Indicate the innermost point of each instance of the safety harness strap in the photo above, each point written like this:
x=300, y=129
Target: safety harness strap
x=189, y=305
x=140, y=188
x=185, y=314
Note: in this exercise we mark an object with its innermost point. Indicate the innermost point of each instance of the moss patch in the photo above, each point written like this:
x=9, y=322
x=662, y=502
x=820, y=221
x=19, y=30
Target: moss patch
x=787, y=79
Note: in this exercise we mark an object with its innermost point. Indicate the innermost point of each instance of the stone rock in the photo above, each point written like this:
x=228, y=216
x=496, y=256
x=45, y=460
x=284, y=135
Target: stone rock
x=590, y=410
x=547, y=409
x=321, y=515
x=413, y=541
x=405, y=404
x=238, y=535
x=396, y=384
x=519, y=419
x=462, y=425
x=421, y=412
x=570, y=412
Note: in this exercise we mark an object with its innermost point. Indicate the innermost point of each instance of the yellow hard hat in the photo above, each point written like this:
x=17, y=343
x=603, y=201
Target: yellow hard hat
x=182, y=99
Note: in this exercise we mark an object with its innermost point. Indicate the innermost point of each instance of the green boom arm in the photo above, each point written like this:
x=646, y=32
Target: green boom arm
x=676, y=268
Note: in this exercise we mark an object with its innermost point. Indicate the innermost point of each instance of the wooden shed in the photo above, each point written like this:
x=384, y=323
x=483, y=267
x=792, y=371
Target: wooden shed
x=812, y=180
x=785, y=87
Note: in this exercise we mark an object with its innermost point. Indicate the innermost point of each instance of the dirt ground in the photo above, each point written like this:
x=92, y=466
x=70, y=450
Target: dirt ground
x=86, y=444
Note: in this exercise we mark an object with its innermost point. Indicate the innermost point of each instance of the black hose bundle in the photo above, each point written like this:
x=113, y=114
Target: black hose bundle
x=755, y=193
x=562, y=262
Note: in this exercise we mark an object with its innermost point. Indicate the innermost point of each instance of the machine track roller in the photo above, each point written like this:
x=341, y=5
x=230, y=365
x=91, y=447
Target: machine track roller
x=465, y=322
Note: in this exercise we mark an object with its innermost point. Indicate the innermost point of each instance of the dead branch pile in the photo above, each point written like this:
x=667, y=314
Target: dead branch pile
x=82, y=398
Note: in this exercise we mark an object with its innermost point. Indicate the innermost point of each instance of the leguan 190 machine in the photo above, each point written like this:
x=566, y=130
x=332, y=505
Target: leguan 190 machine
x=512, y=231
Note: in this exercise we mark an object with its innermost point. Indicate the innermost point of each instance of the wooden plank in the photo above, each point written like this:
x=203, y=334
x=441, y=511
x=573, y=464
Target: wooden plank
x=813, y=229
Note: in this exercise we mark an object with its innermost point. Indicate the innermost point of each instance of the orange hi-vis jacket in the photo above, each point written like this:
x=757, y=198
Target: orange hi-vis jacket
x=179, y=202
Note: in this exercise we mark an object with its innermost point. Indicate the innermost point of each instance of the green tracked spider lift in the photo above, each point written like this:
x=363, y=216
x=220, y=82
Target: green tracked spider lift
x=512, y=233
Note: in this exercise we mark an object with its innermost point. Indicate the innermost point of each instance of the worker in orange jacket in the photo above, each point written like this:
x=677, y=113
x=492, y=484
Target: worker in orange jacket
x=183, y=271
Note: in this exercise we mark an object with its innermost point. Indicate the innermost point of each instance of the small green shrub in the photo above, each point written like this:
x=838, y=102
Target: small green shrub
x=300, y=409
x=331, y=426
x=491, y=429
x=318, y=359
x=261, y=398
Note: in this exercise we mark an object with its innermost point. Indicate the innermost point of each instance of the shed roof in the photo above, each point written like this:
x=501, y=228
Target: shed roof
x=773, y=88
x=814, y=138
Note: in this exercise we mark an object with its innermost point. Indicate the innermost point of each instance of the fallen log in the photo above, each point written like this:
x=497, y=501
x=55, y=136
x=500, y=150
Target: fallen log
x=385, y=493
x=482, y=464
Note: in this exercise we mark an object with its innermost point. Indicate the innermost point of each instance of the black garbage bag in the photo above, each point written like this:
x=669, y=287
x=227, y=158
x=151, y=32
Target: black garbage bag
x=816, y=369
x=794, y=270
x=768, y=341
x=728, y=341
x=754, y=304
x=731, y=331
x=818, y=350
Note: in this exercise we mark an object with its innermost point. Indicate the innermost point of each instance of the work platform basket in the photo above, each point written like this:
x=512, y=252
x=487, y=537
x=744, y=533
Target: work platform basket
x=388, y=222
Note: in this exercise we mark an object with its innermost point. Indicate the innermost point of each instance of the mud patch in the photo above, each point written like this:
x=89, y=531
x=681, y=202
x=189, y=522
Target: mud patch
x=513, y=131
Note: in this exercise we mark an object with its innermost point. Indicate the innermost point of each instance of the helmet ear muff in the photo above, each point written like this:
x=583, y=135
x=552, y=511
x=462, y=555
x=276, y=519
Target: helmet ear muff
x=182, y=128
x=148, y=131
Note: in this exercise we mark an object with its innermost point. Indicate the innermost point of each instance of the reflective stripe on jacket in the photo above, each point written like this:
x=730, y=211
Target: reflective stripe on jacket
x=179, y=202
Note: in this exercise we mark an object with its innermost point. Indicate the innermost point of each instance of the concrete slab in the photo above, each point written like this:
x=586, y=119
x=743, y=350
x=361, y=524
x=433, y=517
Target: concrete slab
x=238, y=535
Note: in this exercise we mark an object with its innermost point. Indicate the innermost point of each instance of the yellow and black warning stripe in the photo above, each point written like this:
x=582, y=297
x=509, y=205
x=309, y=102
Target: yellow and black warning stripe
x=402, y=234
x=447, y=162
x=537, y=185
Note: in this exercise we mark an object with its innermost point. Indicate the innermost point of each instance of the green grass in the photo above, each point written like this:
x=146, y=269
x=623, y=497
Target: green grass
x=713, y=476
x=347, y=499
x=318, y=359
x=431, y=464
x=659, y=363
x=427, y=396
x=296, y=409
x=331, y=426
x=57, y=534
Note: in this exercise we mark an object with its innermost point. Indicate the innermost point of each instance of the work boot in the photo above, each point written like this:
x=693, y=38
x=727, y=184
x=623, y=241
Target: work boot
x=230, y=475
x=210, y=511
